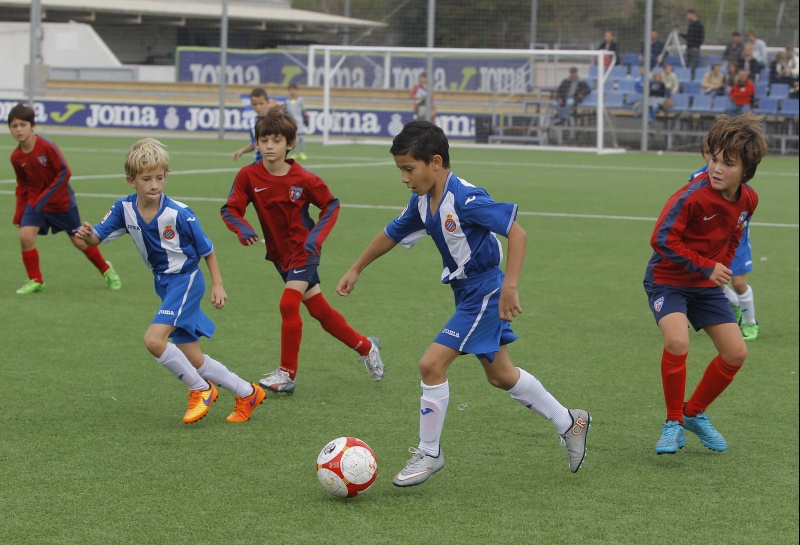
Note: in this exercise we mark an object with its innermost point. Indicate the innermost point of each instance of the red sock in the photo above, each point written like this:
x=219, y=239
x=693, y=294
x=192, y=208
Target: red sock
x=291, y=330
x=719, y=374
x=335, y=324
x=93, y=254
x=30, y=259
x=673, y=379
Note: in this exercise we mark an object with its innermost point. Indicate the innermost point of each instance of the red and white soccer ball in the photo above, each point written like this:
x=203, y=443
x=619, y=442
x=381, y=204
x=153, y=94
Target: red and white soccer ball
x=346, y=467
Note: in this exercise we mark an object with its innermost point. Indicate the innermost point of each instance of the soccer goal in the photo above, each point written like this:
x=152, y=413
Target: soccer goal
x=503, y=97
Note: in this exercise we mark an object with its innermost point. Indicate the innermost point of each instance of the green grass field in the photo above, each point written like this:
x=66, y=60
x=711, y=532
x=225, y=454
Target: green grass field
x=93, y=450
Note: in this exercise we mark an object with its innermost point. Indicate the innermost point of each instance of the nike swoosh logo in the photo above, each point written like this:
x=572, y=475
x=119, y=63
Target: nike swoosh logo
x=706, y=218
x=469, y=200
x=255, y=397
x=191, y=219
x=402, y=477
x=260, y=189
x=298, y=272
x=207, y=401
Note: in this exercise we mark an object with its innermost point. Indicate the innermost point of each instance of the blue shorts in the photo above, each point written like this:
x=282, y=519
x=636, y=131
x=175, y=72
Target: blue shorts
x=306, y=273
x=476, y=327
x=702, y=306
x=743, y=260
x=54, y=222
x=181, y=295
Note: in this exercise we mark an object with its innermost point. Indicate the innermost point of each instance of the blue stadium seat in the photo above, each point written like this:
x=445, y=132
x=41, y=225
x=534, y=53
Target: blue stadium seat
x=593, y=71
x=711, y=59
x=768, y=106
x=631, y=59
x=683, y=74
x=624, y=85
x=590, y=100
x=764, y=75
x=615, y=100
x=701, y=104
x=674, y=60
x=721, y=105
x=690, y=87
x=761, y=89
x=700, y=72
x=619, y=72
x=631, y=98
x=789, y=107
x=779, y=90
x=680, y=103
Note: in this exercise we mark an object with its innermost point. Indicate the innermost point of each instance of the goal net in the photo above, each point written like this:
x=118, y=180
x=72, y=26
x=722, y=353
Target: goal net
x=504, y=97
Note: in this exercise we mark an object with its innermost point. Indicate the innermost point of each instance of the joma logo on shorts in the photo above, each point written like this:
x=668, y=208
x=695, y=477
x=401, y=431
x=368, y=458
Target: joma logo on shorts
x=451, y=333
x=167, y=312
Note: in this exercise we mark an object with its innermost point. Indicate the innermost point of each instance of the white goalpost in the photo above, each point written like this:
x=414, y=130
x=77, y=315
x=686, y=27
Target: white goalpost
x=365, y=93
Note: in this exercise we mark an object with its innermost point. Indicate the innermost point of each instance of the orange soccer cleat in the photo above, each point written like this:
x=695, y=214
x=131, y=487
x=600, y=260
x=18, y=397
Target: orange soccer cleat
x=199, y=403
x=246, y=405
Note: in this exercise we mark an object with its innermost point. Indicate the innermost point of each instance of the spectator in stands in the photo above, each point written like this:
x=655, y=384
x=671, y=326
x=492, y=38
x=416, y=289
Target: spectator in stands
x=713, y=81
x=569, y=94
x=421, y=99
x=657, y=51
x=794, y=91
x=610, y=45
x=734, y=48
x=671, y=79
x=695, y=36
x=730, y=75
x=741, y=93
x=792, y=64
x=759, y=48
x=748, y=62
x=659, y=96
x=777, y=70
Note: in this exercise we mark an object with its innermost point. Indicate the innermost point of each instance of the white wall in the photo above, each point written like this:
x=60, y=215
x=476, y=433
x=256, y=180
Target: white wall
x=64, y=45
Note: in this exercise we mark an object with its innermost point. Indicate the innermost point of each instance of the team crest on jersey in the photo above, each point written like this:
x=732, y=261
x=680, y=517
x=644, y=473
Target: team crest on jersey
x=658, y=304
x=295, y=192
x=42, y=160
x=742, y=218
x=106, y=216
x=450, y=224
x=168, y=233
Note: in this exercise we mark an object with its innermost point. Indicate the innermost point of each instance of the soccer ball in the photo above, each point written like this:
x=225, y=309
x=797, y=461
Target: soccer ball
x=346, y=467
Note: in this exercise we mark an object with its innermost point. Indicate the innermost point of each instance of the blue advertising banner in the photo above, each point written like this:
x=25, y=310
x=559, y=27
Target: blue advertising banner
x=98, y=115
x=282, y=67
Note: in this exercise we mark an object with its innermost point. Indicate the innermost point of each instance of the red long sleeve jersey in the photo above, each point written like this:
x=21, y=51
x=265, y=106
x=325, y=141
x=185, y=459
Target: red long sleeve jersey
x=281, y=203
x=697, y=229
x=42, y=179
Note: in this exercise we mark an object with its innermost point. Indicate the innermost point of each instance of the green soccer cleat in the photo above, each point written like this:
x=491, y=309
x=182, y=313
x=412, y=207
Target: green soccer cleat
x=31, y=286
x=112, y=278
x=749, y=331
x=737, y=311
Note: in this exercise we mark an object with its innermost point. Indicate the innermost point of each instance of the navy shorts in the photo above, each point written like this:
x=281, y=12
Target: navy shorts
x=476, y=327
x=181, y=295
x=54, y=222
x=702, y=306
x=306, y=273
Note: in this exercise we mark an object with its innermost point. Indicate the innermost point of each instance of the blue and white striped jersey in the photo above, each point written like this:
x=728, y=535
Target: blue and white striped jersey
x=173, y=242
x=253, y=120
x=463, y=228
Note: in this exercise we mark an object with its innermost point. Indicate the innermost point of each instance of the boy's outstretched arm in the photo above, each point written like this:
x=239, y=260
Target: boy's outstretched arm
x=509, y=298
x=380, y=245
x=86, y=233
x=218, y=295
x=247, y=149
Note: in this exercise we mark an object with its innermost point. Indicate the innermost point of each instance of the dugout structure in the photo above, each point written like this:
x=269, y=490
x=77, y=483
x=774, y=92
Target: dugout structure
x=495, y=96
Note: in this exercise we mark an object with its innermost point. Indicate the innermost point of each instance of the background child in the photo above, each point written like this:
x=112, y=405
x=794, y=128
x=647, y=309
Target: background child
x=740, y=296
x=296, y=107
x=260, y=103
x=45, y=200
x=281, y=192
x=462, y=220
x=694, y=240
x=171, y=242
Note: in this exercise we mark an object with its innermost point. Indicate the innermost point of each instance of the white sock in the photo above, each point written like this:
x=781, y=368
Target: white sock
x=530, y=392
x=733, y=299
x=748, y=306
x=176, y=363
x=432, y=410
x=216, y=372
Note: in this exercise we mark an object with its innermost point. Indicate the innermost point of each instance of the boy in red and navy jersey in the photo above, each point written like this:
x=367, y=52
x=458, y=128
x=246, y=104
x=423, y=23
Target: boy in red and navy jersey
x=694, y=241
x=45, y=201
x=281, y=192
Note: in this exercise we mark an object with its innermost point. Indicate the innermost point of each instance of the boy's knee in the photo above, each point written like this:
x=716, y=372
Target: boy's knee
x=155, y=344
x=430, y=370
x=676, y=345
x=737, y=355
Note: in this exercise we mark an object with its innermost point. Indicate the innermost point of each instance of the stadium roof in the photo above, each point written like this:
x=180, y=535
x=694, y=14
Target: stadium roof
x=179, y=11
